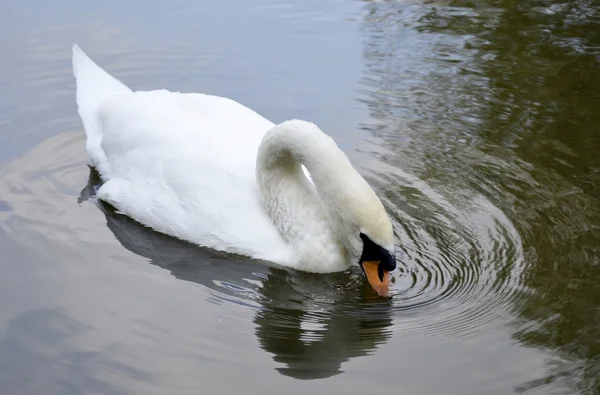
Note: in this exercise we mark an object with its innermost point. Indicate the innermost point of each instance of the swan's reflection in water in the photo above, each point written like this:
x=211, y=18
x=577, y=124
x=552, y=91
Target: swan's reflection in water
x=311, y=324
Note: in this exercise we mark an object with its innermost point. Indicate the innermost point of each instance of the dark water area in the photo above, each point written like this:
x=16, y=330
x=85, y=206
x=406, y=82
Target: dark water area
x=478, y=123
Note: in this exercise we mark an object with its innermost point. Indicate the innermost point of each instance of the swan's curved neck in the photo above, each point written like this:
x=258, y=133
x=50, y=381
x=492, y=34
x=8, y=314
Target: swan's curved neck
x=309, y=217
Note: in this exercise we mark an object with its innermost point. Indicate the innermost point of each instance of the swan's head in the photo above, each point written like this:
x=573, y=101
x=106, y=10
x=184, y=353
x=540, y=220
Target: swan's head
x=370, y=239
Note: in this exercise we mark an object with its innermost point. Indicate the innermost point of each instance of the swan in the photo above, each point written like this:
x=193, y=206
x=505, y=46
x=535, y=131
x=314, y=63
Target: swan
x=210, y=171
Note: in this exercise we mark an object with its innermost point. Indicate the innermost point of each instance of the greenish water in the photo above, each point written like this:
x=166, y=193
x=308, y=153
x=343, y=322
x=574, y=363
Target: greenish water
x=477, y=122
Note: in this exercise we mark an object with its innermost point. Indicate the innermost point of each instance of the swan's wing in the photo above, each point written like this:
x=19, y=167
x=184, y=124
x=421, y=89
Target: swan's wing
x=184, y=164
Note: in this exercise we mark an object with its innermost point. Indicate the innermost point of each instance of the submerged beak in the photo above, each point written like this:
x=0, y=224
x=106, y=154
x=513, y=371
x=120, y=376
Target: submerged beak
x=378, y=277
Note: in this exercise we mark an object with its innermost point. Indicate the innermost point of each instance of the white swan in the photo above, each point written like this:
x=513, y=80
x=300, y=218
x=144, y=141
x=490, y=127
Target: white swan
x=209, y=170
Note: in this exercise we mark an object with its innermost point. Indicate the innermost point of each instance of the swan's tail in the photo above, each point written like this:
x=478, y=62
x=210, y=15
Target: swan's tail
x=94, y=85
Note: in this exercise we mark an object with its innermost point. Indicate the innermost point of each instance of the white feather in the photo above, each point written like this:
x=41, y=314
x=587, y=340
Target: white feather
x=186, y=165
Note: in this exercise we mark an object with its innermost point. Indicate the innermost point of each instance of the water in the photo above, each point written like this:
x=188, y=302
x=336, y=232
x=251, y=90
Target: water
x=477, y=123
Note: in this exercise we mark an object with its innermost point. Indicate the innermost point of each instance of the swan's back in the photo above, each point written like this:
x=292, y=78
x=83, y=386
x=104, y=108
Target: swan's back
x=212, y=130
x=146, y=118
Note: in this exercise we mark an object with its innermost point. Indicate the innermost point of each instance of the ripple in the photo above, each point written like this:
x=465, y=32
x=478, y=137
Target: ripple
x=460, y=257
x=463, y=262
x=460, y=265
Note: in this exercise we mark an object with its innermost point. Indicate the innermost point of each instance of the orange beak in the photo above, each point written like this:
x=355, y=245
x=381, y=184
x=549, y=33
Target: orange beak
x=379, y=279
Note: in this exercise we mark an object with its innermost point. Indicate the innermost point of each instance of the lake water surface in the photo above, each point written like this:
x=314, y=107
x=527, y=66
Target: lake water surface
x=477, y=122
